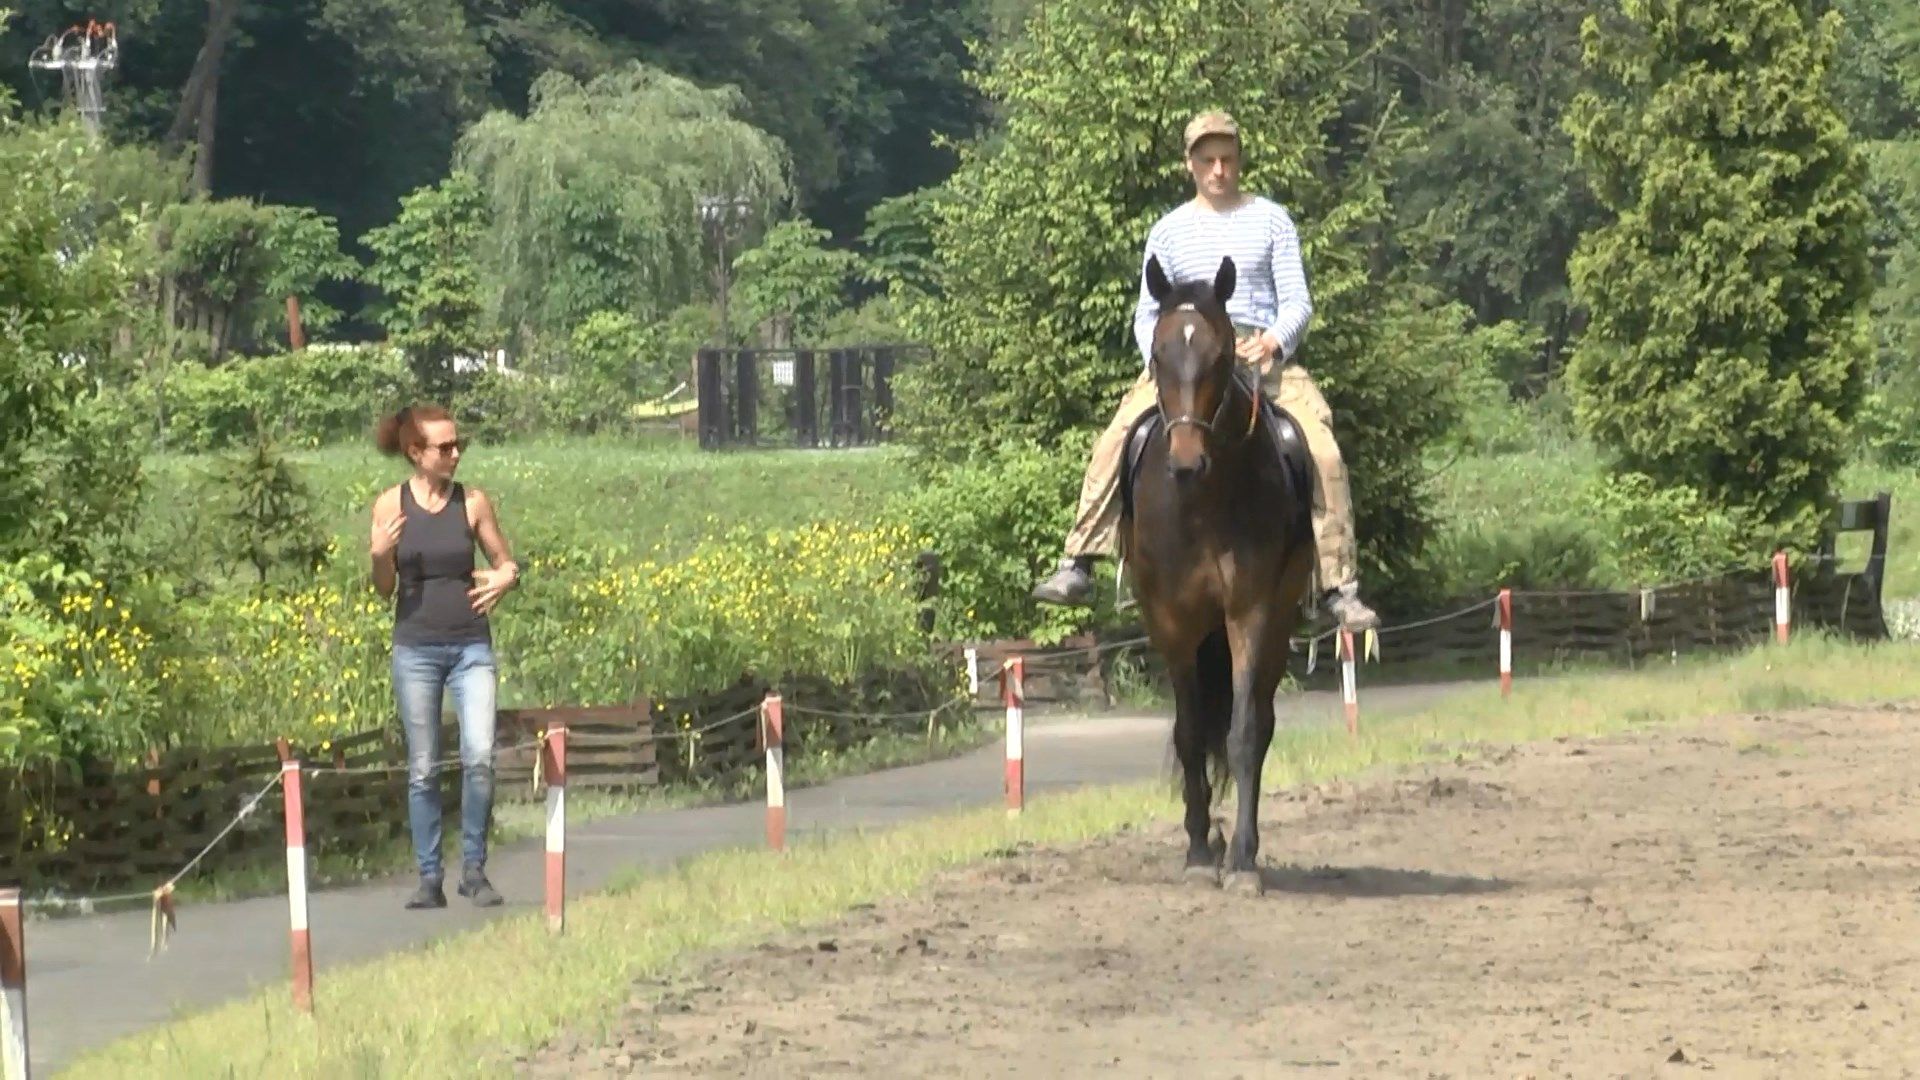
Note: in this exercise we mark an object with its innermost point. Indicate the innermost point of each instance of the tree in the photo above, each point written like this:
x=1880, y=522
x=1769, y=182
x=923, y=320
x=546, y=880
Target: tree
x=593, y=198
x=1728, y=347
x=427, y=266
x=792, y=282
x=1037, y=237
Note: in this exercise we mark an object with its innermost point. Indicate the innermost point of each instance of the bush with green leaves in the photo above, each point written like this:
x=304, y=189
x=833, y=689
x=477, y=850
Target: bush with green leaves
x=997, y=523
x=231, y=264
x=1728, y=351
x=85, y=671
x=1657, y=533
x=64, y=480
x=323, y=393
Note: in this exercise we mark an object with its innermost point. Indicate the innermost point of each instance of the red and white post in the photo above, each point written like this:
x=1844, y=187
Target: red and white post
x=297, y=885
x=14, y=1062
x=1506, y=642
x=773, y=736
x=1013, y=681
x=1782, y=598
x=555, y=767
x=1349, y=683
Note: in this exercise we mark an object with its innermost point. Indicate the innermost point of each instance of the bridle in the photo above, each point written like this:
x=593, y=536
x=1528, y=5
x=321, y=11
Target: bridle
x=1168, y=423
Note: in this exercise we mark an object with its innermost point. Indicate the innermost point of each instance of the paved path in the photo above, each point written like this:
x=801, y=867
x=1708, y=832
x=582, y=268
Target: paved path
x=90, y=981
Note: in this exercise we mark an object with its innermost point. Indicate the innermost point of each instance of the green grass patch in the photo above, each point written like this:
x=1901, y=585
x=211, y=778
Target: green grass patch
x=419, y=1013
x=609, y=495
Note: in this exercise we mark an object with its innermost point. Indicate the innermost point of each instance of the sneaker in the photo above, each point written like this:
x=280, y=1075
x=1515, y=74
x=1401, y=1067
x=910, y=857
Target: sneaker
x=1071, y=584
x=475, y=886
x=1346, y=608
x=428, y=895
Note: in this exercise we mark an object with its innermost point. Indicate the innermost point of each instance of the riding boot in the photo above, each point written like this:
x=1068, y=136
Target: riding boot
x=1346, y=608
x=1071, y=584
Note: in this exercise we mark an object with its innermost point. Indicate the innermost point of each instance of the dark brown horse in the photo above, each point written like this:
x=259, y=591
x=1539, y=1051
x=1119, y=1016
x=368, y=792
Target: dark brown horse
x=1219, y=548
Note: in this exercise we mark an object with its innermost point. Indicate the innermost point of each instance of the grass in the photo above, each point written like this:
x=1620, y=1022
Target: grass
x=604, y=494
x=416, y=1014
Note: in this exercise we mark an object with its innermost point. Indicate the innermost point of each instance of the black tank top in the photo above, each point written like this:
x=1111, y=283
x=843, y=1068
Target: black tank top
x=435, y=568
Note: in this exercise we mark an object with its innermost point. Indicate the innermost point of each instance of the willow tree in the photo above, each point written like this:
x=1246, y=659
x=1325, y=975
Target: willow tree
x=1729, y=344
x=593, y=198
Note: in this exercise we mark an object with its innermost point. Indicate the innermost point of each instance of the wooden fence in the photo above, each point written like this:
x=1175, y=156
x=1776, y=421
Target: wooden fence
x=1549, y=627
x=106, y=826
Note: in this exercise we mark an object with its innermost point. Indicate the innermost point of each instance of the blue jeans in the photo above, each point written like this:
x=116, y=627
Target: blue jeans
x=420, y=674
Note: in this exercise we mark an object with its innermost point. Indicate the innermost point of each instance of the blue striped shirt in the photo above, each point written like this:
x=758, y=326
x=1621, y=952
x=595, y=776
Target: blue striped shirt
x=1271, y=284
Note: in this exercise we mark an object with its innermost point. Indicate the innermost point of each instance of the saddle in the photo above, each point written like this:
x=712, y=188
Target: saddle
x=1281, y=430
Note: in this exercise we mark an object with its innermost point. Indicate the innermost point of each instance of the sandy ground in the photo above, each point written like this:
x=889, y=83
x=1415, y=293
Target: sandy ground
x=1736, y=897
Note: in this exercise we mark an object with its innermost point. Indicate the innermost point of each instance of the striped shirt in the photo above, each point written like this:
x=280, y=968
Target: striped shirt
x=1270, y=289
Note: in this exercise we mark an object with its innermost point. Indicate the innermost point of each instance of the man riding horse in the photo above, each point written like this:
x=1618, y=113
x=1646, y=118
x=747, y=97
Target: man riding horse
x=1270, y=312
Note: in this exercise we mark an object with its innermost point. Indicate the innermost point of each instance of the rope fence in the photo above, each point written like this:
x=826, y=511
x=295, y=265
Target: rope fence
x=554, y=743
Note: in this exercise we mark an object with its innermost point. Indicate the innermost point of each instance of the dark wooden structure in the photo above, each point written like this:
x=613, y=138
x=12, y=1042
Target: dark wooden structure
x=801, y=397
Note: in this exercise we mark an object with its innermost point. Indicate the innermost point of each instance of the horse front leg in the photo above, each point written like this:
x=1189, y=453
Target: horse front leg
x=1249, y=736
x=1190, y=745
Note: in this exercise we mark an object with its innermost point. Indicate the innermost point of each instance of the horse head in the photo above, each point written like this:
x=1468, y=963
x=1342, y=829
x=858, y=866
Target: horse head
x=1192, y=362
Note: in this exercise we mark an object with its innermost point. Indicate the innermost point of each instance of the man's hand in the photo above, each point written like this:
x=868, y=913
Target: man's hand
x=1259, y=350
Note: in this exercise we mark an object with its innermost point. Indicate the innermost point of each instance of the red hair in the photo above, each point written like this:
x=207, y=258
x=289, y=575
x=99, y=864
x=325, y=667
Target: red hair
x=399, y=434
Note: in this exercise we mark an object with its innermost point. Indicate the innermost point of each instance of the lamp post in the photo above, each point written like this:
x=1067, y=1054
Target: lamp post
x=721, y=214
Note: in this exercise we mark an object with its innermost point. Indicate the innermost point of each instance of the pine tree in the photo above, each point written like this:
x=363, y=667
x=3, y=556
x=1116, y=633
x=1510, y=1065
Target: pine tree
x=1728, y=343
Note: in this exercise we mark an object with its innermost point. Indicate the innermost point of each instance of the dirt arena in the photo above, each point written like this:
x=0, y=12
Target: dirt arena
x=1736, y=896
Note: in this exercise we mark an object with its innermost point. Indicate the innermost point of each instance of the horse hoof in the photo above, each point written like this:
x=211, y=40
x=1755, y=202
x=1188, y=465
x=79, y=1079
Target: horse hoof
x=1201, y=877
x=1246, y=883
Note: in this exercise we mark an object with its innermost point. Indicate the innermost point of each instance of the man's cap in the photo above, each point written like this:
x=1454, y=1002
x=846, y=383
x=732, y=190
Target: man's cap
x=1211, y=123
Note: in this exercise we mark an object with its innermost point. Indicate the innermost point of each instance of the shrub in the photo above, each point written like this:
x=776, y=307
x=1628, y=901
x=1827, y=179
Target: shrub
x=997, y=523
x=1656, y=534
x=320, y=394
x=310, y=664
x=83, y=671
x=828, y=600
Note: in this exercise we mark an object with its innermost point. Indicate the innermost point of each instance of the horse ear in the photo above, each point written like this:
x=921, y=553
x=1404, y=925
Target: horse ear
x=1157, y=284
x=1223, y=281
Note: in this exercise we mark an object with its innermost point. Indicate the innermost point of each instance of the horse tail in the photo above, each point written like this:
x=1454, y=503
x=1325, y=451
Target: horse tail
x=1213, y=664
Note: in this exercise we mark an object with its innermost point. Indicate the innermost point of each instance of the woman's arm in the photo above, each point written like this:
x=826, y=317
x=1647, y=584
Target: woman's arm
x=490, y=584
x=384, y=541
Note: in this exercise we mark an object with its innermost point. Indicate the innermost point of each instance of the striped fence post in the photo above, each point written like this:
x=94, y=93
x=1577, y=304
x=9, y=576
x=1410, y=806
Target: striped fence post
x=1782, y=598
x=1013, y=680
x=555, y=749
x=773, y=737
x=14, y=1062
x=297, y=885
x=1349, y=687
x=1506, y=642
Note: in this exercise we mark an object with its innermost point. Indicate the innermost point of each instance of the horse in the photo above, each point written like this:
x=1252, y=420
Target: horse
x=1217, y=539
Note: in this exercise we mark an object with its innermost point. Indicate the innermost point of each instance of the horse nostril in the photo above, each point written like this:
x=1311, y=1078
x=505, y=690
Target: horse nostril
x=1188, y=472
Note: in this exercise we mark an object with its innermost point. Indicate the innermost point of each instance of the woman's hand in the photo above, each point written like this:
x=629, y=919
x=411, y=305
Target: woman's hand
x=490, y=585
x=385, y=539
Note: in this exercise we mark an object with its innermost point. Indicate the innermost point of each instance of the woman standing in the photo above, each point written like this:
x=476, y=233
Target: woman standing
x=422, y=547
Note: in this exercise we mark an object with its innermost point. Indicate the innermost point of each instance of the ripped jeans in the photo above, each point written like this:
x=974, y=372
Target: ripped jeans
x=420, y=675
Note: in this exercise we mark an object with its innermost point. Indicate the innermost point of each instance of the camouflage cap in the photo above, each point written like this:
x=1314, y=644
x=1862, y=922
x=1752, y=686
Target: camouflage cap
x=1211, y=123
